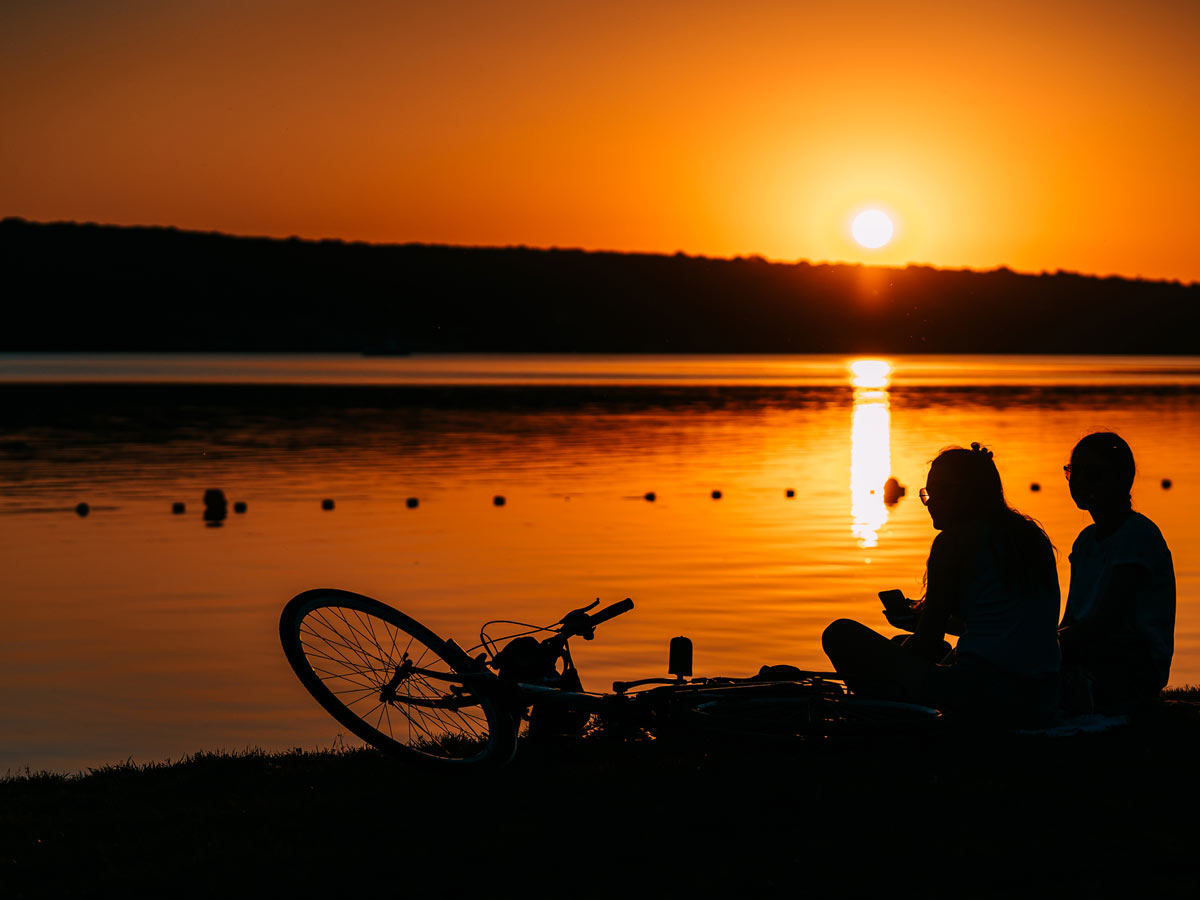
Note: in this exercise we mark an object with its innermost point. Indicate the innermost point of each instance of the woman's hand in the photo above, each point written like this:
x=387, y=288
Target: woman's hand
x=905, y=620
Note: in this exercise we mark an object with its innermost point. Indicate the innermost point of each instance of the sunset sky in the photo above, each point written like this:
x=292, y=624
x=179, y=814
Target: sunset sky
x=1038, y=135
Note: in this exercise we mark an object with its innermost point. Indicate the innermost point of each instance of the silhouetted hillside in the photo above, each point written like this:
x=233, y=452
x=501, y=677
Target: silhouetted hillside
x=90, y=287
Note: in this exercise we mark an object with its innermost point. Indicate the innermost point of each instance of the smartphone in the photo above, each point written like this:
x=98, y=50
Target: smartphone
x=894, y=601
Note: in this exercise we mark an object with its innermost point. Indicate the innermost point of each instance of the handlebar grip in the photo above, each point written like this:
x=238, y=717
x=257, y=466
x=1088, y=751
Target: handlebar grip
x=611, y=612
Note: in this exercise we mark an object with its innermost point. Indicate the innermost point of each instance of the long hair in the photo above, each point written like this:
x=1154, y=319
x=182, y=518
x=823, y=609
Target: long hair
x=1017, y=540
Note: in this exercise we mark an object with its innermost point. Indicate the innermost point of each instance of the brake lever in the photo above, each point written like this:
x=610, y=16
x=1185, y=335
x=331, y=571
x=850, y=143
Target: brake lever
x=578, y=622
x=575, y=612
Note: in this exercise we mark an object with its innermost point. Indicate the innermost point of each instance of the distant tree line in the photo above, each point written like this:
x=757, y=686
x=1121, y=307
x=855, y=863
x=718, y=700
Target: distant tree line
x=93, y=287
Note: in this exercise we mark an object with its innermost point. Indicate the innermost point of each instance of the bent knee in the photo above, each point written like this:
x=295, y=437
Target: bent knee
x=838, y=633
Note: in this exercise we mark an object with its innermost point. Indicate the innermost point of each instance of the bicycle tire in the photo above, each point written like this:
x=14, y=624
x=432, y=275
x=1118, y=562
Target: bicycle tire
x=345, y=648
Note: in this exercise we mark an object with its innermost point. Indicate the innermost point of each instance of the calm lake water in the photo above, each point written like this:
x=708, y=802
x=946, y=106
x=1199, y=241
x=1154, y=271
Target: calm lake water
x=133, y=633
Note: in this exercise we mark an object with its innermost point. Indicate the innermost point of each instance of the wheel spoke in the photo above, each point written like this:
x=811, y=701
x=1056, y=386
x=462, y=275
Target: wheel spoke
x=346, y=665
x=354, y=649
x=334, y=645
x=357, y=637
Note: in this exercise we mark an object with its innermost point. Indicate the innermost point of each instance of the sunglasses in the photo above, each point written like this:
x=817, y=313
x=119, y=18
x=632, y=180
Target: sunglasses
x=1086, y=471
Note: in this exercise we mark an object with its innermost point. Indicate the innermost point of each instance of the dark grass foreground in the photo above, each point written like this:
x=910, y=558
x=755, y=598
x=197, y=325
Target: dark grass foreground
x=1115, y=814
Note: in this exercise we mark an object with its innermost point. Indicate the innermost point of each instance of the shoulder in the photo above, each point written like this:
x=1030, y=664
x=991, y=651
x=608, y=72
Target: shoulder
x=1142, y=528
x=1139, y=538
x=963, y=539
x=958, y=548
x=947, y=547
x=1087, y=536
x=1034, y=533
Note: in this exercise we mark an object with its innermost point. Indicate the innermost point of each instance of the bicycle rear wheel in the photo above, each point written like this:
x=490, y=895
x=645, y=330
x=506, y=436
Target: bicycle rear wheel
x=388, y=679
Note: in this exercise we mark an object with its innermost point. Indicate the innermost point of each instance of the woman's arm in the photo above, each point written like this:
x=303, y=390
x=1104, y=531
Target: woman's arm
x=941, y=599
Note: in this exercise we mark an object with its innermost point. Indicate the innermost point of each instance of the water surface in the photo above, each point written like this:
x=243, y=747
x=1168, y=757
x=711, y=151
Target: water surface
x=135, y=633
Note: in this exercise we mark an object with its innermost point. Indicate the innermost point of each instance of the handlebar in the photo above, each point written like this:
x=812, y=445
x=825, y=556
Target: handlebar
x=578, y=622
x=611, y=612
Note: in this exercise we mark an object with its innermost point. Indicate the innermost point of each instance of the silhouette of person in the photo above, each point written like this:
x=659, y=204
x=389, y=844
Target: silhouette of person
x=991, y=577
x=1117, y=632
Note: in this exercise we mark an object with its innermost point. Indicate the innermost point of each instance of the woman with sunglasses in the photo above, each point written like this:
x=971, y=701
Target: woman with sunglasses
x=993, y=569
x=1117, y=633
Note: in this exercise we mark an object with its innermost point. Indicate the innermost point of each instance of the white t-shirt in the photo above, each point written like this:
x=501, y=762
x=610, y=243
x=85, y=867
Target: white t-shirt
x=1136, y=542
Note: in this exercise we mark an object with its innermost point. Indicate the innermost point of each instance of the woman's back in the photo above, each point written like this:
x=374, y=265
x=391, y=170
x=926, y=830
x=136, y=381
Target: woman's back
x=1010, y=600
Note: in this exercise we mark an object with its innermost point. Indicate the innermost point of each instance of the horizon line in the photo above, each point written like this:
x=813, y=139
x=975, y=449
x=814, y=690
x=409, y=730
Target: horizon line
x=745, y=257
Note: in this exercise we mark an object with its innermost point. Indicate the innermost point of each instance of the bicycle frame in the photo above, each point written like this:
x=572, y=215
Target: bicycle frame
x=640, y=707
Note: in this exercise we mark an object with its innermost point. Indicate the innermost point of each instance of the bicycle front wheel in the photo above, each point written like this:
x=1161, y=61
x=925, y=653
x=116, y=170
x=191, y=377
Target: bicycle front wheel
x=388, y=679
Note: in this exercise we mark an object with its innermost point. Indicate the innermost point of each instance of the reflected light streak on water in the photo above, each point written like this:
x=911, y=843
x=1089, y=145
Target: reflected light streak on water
x=870, y=465
x=870, y=373
x=870, y=449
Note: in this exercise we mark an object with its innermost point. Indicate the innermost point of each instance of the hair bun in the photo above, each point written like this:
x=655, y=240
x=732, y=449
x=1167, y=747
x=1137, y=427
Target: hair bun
x=977, y=447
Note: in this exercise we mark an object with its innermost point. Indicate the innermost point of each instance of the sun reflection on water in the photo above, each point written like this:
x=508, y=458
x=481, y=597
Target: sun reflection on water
x=870, y=373
x=870, y=449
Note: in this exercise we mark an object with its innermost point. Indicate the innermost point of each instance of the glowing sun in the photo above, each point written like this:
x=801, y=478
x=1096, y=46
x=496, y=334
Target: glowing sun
x=872, y=228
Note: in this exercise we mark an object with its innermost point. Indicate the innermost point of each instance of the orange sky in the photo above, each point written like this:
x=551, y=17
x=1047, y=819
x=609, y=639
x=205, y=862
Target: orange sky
x=1037, y=135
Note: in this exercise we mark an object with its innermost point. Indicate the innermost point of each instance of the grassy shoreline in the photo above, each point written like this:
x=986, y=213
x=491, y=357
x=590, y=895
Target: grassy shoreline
x=994, y=814
x=1186, y=694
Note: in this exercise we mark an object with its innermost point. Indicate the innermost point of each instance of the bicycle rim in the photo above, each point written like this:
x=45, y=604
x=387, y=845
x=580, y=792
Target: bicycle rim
x=346, y=649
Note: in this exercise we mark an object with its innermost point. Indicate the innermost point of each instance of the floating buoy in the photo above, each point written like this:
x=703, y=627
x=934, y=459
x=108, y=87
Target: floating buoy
x=178, y=507
x=240, y=506
x=215, y=508
x=716, y=495
x=1166, y=484
x=791, y=493
x=893, y=490
x=651, y=496
x=1035, y=487
x=326, y=503
x=498, y=500
x=82, y=509
x=412, y=502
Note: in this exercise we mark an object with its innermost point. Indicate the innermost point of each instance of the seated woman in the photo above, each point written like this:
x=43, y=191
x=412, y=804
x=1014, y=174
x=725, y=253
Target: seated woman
x=1118, y=630
x=994, y=569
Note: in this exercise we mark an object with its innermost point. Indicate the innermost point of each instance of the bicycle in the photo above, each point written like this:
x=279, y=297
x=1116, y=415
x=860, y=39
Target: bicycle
x=401, y=688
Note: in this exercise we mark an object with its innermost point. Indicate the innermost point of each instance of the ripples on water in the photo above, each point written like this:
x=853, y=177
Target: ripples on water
x=134, y=632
